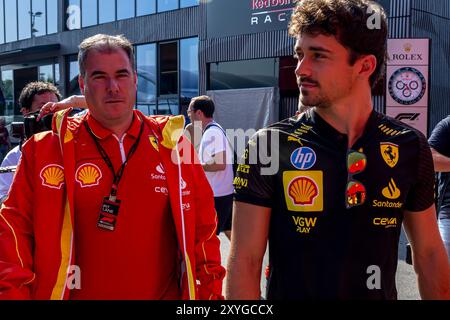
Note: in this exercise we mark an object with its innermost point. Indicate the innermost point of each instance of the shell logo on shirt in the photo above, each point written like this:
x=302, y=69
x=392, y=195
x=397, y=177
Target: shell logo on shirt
x=303, y=190
x=52, y=176
x=88, y=175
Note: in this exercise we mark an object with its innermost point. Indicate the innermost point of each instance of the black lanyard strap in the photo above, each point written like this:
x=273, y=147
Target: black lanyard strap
x=117, y=176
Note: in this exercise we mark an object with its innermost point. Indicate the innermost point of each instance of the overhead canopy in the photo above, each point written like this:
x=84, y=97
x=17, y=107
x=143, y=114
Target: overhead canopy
x=30, y=50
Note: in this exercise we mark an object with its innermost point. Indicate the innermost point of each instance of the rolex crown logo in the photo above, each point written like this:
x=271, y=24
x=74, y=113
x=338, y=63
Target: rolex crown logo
x=407, y=47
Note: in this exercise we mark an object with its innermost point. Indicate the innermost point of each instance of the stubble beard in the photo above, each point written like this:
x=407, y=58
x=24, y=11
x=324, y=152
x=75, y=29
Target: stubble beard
x=316, y=100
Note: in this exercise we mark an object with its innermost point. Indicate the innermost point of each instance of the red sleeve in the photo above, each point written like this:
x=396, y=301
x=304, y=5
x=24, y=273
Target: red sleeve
x=209, y=270
x=16, y=233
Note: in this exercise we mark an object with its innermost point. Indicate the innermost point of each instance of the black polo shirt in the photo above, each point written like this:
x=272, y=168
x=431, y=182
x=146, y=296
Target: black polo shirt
x=440, y=141
x=319, y=249
x=440, y=137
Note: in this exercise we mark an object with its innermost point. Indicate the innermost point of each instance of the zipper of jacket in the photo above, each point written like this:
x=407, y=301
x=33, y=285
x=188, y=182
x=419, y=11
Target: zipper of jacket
x=183, y=229
x=122, y=149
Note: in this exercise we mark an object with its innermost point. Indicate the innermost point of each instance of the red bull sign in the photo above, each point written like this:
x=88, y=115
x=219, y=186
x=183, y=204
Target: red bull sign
x=248, y=16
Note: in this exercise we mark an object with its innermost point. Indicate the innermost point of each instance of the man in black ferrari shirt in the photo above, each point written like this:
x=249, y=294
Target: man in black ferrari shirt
x=348, y=176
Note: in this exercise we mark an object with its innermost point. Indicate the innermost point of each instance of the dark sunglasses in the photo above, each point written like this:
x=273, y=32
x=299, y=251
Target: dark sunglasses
x=355, y=193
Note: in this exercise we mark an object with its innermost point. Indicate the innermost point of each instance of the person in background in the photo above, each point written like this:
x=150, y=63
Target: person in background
x=5, y=142
x=37, y=94
x=194, y=134
x=31, y=99
x=75, y=101
x=215, y=155
x=440, y=148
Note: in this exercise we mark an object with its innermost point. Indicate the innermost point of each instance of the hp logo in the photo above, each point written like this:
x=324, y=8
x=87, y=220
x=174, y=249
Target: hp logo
x=303, y=158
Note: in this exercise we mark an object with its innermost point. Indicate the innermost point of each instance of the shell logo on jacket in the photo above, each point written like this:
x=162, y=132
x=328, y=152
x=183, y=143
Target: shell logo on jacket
x=88, y=175
x=52, y=176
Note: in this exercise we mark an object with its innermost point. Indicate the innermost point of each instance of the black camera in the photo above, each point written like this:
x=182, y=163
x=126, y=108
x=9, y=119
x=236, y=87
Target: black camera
x=30, y=125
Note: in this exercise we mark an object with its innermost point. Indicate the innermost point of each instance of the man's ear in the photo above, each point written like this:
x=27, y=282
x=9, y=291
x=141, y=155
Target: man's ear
x=367, y=65
x=81, y=83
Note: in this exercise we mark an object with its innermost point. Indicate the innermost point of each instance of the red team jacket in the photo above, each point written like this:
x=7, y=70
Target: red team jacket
x=37, y=224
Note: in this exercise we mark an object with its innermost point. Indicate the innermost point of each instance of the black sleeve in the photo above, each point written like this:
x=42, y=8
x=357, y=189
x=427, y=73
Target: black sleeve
x=440, y=137
x=421, y=195
x=251, y=184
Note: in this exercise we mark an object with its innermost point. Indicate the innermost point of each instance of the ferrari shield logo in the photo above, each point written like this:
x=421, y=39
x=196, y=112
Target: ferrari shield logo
x=390, y=153
x=154, y=142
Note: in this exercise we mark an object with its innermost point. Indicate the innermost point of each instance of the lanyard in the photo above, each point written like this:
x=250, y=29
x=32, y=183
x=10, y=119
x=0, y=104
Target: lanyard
x=117, y=176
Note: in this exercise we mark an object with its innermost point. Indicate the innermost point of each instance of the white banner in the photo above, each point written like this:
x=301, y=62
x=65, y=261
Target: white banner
x=415, y=117
x=407, y=80
x=245, y=109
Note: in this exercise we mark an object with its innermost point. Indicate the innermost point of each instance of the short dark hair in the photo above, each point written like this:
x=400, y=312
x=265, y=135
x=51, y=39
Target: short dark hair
x=104, y=43
x=204, y=104
x=347, y=20
x=36, y=88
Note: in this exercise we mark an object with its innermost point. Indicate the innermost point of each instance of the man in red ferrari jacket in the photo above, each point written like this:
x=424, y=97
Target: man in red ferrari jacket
x=105, y=206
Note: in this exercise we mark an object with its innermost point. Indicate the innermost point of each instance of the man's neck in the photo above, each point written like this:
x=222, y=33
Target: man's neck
x=350, y=116
x=205, y=122
x=120, y=128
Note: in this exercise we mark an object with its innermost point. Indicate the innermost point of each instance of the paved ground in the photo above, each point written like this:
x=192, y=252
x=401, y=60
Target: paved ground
x=406, y=278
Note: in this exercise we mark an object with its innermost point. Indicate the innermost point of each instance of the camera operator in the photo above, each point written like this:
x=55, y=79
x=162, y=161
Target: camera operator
x=5, y=143
x=32, y=98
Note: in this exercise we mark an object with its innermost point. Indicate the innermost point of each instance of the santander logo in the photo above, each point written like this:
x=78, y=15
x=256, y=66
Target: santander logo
x=161, y=173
